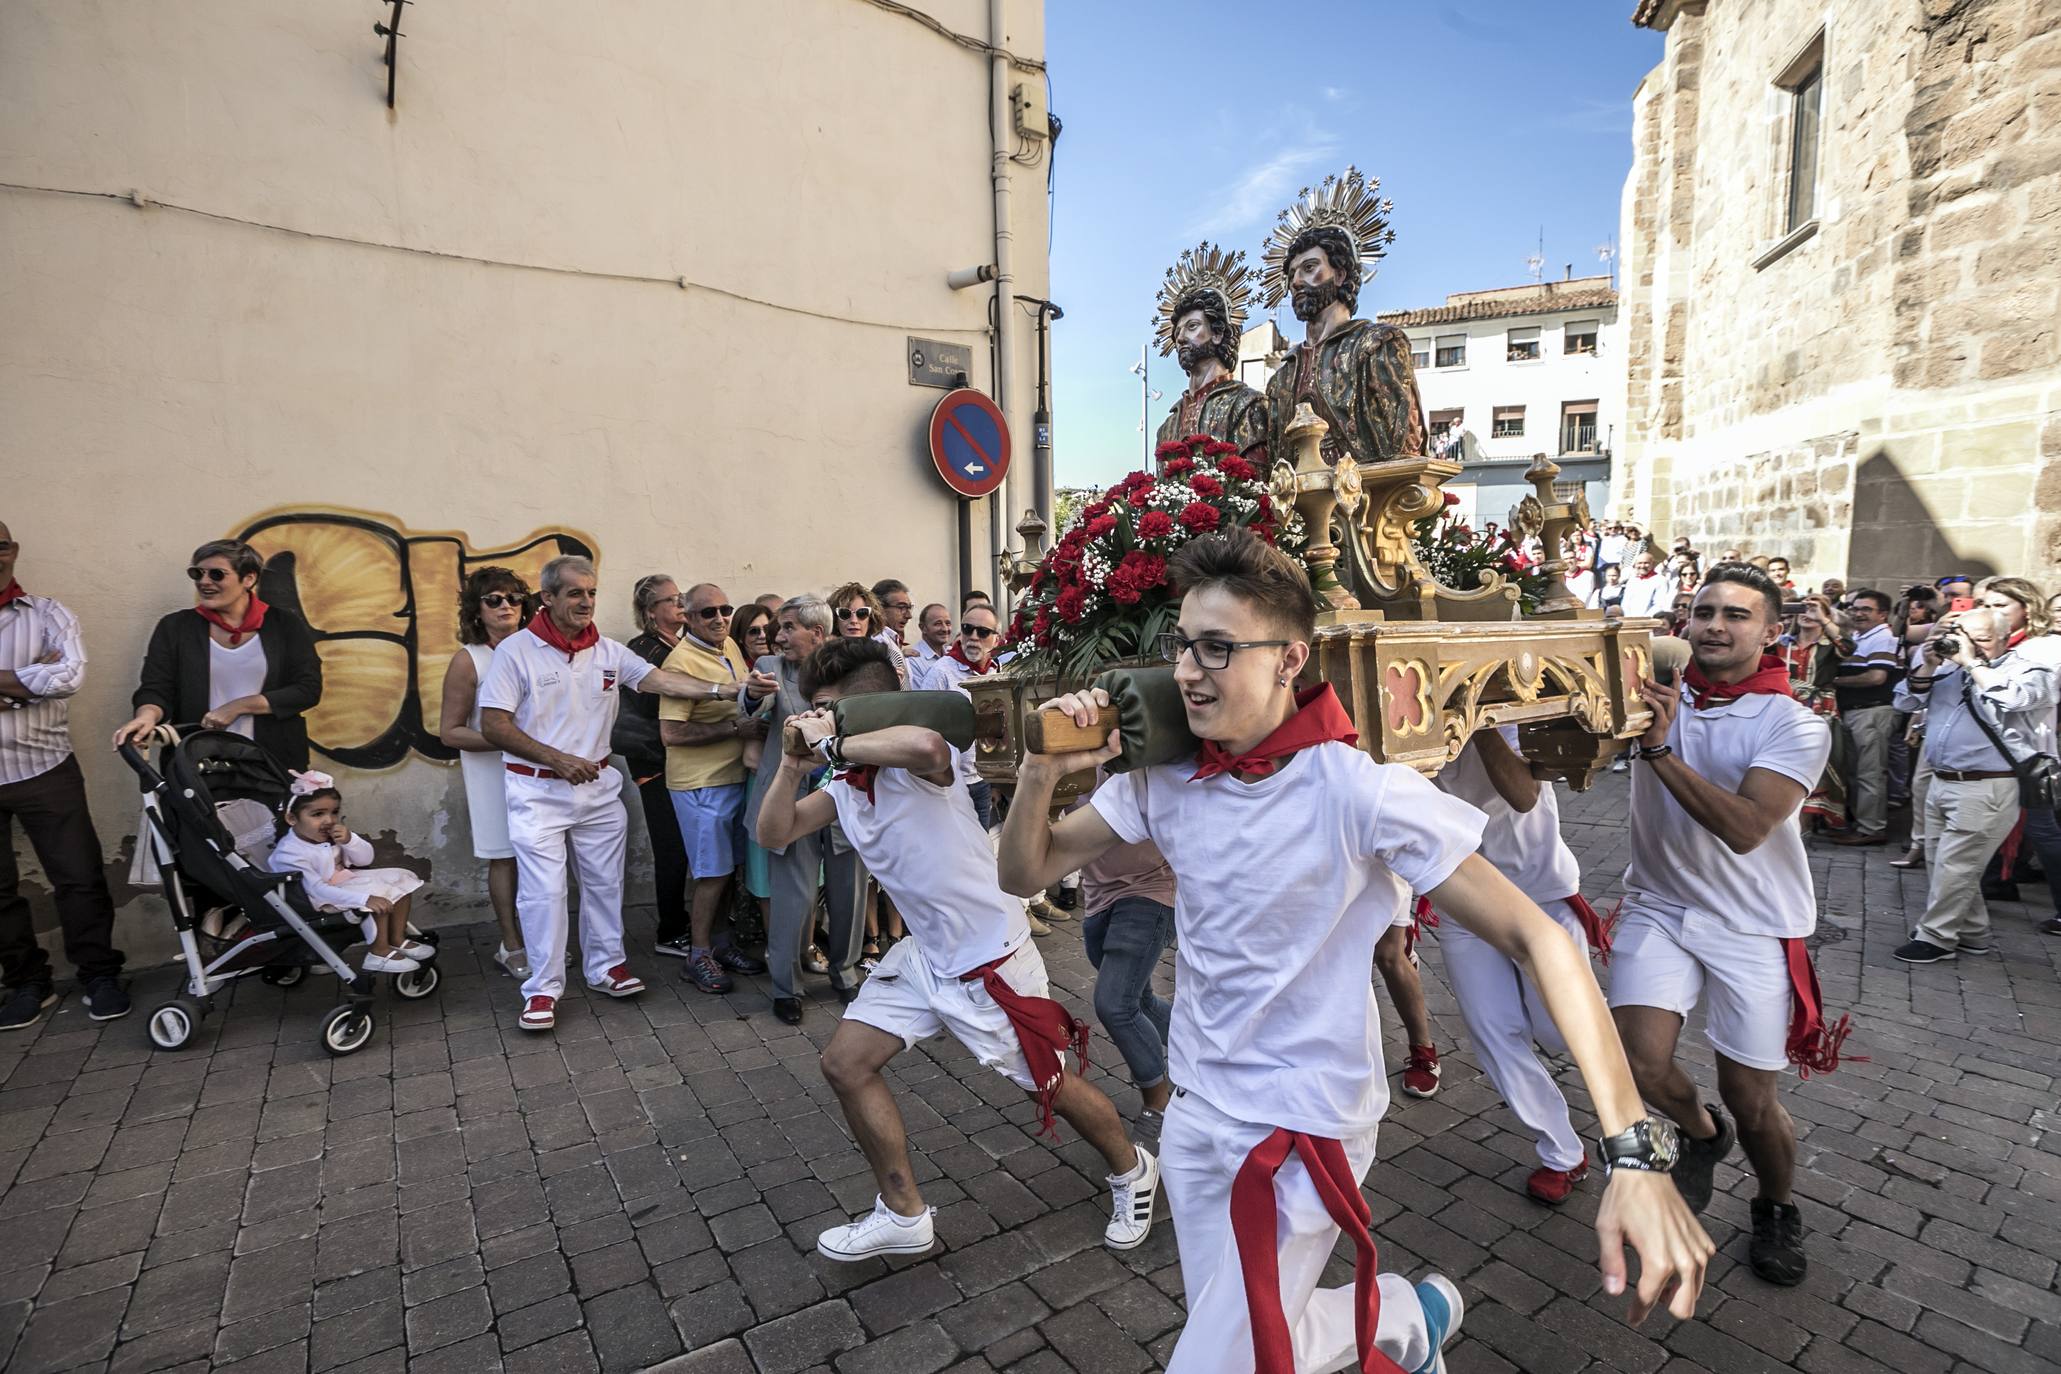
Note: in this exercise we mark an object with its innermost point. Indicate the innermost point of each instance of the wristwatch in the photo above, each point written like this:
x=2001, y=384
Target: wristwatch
x=1656, y=751
x=1650, y=1146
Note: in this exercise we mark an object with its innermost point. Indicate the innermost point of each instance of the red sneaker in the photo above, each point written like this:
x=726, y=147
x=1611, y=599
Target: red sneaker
x=1554, y=1186
x=1420, y=1075
x=620, y=982
x=540, y=1013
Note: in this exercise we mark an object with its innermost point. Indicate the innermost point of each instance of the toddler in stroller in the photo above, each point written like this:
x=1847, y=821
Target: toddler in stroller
x=315, y=842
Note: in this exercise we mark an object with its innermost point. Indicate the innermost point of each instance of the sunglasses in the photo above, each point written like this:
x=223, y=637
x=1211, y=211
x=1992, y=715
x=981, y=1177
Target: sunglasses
x=208, y=574
x=978, y=631
x=855, y=613
x=496, y=600
x=716, y=612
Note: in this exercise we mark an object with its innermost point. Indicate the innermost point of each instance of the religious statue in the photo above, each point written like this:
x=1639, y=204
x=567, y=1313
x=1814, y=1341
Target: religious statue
x=1355, y=374
x=1202, y=305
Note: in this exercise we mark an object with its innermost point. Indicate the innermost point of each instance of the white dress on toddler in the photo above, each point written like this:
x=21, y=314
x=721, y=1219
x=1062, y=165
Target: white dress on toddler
x=332, y=884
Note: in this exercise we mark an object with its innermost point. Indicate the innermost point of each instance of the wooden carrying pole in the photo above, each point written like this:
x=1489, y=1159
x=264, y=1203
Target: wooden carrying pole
x=1053, y=731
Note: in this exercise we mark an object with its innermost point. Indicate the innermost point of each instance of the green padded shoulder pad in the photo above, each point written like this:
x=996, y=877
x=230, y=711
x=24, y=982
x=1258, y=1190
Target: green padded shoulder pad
x=948, y=713
x=1151, y=718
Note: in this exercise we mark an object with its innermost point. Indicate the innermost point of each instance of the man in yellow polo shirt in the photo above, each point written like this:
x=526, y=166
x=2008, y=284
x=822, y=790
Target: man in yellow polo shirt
x=705, y=774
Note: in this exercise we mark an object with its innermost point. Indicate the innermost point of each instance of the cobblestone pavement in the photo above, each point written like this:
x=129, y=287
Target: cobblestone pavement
x=646, y=1186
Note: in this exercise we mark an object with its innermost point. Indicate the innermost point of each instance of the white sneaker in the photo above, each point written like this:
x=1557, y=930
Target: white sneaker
x=514, y=962
x=1130, y=1213
x=388, y=963
x=879, y=1232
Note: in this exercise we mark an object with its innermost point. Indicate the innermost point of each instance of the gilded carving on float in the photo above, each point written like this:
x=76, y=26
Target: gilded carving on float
x=382, y=601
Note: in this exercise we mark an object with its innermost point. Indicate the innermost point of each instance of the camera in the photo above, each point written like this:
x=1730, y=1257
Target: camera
x=1948, y=646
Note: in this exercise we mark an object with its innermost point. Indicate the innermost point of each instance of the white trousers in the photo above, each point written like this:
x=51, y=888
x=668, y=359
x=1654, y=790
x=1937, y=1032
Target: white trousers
x=1201, y=1151
x=551, y=822
x=1505, y=1018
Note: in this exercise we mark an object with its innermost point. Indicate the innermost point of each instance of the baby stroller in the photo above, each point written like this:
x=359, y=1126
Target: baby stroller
x=254, y=921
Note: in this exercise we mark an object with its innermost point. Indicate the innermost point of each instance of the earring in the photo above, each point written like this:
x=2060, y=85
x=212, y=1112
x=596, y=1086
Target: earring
x=1280, y=682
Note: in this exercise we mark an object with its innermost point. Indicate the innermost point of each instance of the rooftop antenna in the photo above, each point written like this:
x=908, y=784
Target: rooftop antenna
x=1606, y=253
x=1536, y=263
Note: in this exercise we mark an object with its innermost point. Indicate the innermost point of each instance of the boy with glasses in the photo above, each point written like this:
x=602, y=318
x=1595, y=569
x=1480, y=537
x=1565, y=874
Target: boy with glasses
x=1294, y=851
x=705, y=774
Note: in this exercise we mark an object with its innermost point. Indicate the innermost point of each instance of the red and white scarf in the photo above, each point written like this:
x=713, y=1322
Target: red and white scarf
x=958, y=655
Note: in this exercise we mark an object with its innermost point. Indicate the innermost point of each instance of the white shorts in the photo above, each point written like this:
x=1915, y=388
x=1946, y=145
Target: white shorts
x=904, y=997
x=1658, y=959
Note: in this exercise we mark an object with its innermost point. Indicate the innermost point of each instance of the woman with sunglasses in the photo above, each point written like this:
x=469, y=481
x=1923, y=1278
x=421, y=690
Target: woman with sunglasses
x=231, y=662
x=751, y=630
x=493, y=603
x=661, y=614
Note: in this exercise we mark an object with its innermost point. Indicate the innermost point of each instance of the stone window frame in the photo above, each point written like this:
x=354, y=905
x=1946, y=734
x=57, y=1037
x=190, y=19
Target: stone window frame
x=1499, y=416
x=1808, y=60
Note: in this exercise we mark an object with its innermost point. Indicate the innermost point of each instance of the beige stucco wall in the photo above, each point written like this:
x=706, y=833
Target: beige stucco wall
x=796, y=175
x=1882, y=402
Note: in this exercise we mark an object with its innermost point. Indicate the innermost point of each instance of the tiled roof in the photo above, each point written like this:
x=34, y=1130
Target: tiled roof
x=1536, y=303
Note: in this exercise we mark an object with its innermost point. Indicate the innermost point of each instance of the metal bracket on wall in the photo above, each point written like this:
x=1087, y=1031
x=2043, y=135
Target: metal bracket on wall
x=391, y=32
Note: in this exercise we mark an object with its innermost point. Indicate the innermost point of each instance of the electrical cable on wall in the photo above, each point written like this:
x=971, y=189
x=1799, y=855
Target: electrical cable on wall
x=143, y=201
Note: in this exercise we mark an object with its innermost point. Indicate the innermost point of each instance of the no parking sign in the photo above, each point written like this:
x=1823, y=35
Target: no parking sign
x=969, y=442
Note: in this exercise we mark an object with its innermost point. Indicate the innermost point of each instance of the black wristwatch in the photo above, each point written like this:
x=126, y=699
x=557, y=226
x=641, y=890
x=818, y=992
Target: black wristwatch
x=1650, y=1146
x=1657, y=751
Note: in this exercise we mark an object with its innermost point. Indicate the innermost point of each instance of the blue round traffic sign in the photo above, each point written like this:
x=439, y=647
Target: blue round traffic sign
x=969, y=442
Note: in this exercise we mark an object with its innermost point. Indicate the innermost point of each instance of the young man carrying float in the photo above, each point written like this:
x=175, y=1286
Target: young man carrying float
x=969, y=967
x=1718, y=901
x=1294, y=851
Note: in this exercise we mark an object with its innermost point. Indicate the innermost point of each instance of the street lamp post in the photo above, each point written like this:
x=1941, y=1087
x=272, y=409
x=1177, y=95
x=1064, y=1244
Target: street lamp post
x=1142, y=370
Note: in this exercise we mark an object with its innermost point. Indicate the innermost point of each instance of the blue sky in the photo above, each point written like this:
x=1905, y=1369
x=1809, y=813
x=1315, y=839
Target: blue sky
x=1486, y=121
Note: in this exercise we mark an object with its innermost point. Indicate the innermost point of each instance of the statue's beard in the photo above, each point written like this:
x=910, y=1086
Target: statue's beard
x=1312, y=301
x=1192, y=356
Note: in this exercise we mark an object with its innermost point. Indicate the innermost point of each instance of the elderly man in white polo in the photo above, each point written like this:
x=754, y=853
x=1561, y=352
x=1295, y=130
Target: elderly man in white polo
x=548, y=703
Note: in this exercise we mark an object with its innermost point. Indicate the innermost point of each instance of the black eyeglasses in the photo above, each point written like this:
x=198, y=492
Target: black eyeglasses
x=979, y=631
x=901, y=605
x=496, y=600
x=855, y=613
x=208, y=574
x=716, y=612
x=1212, y=654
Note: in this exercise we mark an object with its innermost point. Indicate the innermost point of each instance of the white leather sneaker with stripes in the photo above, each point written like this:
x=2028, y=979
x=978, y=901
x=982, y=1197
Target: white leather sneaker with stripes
x=1130, y=1212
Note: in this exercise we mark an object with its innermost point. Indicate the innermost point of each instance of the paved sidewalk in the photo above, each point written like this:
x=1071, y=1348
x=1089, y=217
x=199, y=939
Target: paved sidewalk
x=646, y=1186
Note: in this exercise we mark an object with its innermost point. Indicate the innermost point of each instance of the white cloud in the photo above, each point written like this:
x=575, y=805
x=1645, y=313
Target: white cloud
x=1264, y=188
x=1334, y=94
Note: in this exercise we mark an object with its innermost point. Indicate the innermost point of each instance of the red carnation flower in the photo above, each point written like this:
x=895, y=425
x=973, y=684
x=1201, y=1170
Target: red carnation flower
x=1179, y=467
x=1100, y=526
x=1217, y=448
x=1452, y=497
x=1200, y=517
x=1206, y=485
x=1042, y=625
x=1201, y=441
x=1096, y=511
x=1169, y=449
x=1140, y=497
x=1149, y=570
x=1155, y=524
x=1072, y=603
x=1238, y=470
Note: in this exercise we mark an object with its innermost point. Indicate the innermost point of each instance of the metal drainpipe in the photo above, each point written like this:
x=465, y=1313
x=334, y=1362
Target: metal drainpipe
x=1005, y=289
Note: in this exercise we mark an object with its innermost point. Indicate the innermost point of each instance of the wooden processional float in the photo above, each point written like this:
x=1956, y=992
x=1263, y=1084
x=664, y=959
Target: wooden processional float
x=1420, y=666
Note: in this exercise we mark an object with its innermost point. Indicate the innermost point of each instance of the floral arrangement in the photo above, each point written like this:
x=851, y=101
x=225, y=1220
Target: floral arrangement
x=1461, y=557
x=1102, y=594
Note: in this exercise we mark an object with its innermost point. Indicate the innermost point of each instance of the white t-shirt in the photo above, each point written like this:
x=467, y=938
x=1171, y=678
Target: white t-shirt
x=1648, y=595
x=1679, y=866
x=1285, y=885
x=234, y=673
x=567, y=706
x=1525, y=846
x=925, y=845
x=1582, y=584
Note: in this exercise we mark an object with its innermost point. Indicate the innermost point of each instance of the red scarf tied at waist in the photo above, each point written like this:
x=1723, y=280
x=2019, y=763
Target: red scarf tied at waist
x=1318, y=719
x=1772, y=678
x=1045, y=1030
x=1255, y=1219
x=1595, y=927
x=12, y=592
x=253, y=617
x=540, y=625
x=1814, y=1042
x=986, y=665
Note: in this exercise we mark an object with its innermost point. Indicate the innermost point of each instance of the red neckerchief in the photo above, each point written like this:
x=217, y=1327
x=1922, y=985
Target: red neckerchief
x=986, y=665
x=1813, y=1042
x=1045, y=1030
x=1771, y=678
x=253, y=616
x=541, y=626
x=860, y=780
x=2016, y=636
x=12, y=592
x=1255, y=1215
x=1318, y=719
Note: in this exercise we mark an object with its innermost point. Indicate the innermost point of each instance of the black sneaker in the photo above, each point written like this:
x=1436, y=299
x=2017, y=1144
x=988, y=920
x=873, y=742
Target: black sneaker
x=847, y=995
x=706, y=974
x=106, y=1000
x=1979, y=945
x=1699, y=1160
x=1923, y=952
x=788, y=1010
x=25, y=1005
x=2051, y=926
x=682, y=948
x=737, y=961
x=1776, y=1252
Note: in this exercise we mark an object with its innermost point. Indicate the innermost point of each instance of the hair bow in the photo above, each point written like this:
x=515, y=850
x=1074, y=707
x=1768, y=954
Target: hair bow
x=310, y=782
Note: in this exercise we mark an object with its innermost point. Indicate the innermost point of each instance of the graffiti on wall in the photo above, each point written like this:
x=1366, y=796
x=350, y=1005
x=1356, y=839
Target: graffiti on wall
x=383, y=604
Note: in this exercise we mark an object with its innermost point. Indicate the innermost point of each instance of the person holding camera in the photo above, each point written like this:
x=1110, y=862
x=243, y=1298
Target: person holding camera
x=1987, y=706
